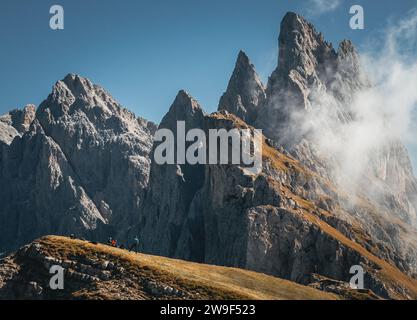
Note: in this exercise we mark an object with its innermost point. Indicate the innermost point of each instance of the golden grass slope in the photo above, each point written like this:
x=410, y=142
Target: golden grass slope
x=201, y=280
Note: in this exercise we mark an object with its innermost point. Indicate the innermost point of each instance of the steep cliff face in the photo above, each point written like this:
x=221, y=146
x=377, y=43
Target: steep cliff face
x=43, y=194
x=171, y=187
x=309, y=68
x=80, y=168
x=310, y=100
x=245, y=92
x=287, y=221
x=106, y=144
x=391, y=170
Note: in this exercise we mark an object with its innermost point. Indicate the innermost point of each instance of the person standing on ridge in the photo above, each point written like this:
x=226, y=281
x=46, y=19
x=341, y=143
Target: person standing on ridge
x=135, y=244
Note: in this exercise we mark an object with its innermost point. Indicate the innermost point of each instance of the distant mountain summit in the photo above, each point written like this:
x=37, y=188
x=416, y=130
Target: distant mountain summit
x=245, y=92
x=308, y=67
x=308, y=96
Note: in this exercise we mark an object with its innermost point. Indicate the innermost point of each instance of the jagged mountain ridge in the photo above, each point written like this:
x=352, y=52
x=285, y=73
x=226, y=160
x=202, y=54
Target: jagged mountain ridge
x=245, y=92
x=287, y=221
x=309, y=69
x=229, y=208
x=83, y=167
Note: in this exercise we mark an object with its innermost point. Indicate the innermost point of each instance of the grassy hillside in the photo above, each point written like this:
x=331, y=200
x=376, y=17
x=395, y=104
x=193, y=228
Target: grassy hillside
x=137, y=271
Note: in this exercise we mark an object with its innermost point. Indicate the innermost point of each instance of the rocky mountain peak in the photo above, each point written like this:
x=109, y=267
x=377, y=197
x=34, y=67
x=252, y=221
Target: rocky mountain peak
x=78, y=85
x=243, y=61
x=87, y=167
x=308, y=68
x=301, y=47
x=86, y=104
x=184, y=108
x=75, y=79
x=309, y=72
x=78, y=93
x=245, y=91
x=185, y=101
x=348, y=57
x=346, y=47
x=86, y=154
x=349, y=71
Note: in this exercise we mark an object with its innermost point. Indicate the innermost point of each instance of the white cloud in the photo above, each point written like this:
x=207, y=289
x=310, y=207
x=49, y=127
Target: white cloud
x=376, y=117
x=382, y=113
x=318, y=7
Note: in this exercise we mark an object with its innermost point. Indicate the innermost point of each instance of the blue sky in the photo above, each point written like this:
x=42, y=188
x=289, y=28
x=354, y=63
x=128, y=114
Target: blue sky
x=144, y=51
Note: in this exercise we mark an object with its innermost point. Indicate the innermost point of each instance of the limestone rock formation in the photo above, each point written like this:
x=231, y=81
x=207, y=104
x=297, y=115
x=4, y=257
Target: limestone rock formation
x=245, y=92
x=81, y=167
x=172, y=187
x=293, y=219
x=309, y=95
x=7, y=133
x=286, y=221
x=16, y=122
x=308, y=68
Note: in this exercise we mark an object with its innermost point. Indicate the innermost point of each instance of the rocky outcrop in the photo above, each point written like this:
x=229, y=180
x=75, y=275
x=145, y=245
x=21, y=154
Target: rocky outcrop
x=304, y=63
x=25, y=275
x=308, y=69
x=93, y=271
x=396, y=188
x=341, y=288
x=245, y=92
x=310, y=95
x=22, y=119
x=44, y=193
x=172, y=187
x=15, y=123
x=81, y=167
x=7, y=133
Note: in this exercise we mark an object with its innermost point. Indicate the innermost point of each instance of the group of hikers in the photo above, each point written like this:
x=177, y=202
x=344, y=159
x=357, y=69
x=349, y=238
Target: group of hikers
x=134, y=246
x=113, y=242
